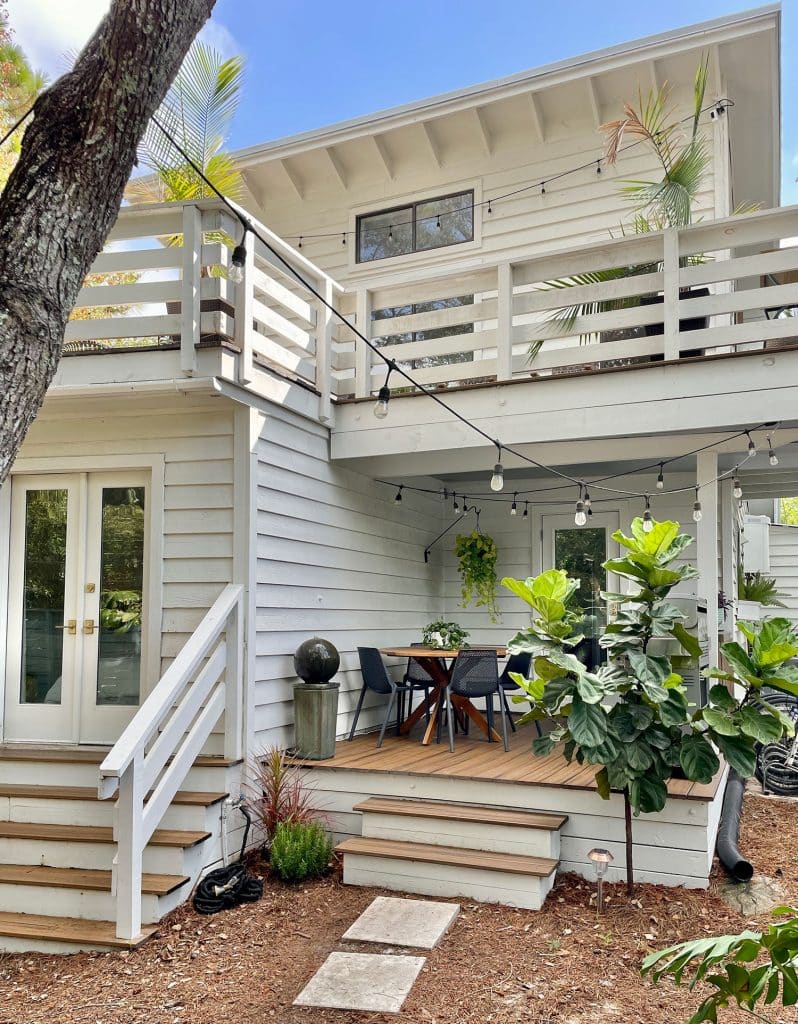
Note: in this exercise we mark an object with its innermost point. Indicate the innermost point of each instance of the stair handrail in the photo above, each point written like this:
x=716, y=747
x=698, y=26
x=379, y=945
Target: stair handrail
x=150, y=760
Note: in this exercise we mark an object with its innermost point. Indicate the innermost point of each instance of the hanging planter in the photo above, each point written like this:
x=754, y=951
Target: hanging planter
x=477, y=554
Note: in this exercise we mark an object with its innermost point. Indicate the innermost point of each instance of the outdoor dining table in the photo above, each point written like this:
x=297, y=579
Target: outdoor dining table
x=438, y=664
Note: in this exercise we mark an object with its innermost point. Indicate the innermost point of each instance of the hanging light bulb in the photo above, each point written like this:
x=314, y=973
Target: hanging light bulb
x=588, y=503
x=239, y=258
x=490, y=207
x=497, y=480
x=456, y=505
x=543, y=189
x=343, y=238
x=526, y=510
x=737, y=489
x=598, y=167
x=660, y=478
x=773, y=458
x=390, y=232
x=514, y=506
x=398, y=498
x=438, y=222
x=580, y=516
x=380, y=409
x=751, y=445
x=648, y=522
x=697, y=513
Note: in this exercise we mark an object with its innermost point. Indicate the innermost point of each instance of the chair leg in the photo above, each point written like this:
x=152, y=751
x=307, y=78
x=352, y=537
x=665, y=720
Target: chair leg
x=385, y=720
x=507, y=709
x=489, y=715
x=449, y=718
x=400, y=711
x=426, y=704
x=357, y=713
x=504, y=723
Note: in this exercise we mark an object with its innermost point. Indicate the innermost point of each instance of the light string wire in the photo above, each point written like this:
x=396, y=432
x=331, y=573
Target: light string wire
x=16, y=125
x=722, y=104
x=390, y=364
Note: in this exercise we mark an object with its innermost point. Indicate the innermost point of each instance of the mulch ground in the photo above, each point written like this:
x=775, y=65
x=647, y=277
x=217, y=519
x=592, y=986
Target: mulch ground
x=562, y=965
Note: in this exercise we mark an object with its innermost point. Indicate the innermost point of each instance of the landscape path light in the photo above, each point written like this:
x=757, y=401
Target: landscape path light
x=601, y=861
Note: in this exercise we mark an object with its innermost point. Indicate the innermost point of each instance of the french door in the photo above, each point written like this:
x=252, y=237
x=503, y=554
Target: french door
x=77, y=588
x=581, y=550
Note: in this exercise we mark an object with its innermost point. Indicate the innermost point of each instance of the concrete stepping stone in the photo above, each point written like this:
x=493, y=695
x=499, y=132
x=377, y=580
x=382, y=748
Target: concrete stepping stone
x=392, y=921
x=362, y=981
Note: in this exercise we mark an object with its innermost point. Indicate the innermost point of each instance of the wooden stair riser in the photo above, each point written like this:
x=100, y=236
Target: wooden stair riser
x=448, y=880
x=167, y=860
x=88, y=904
x=80, y=773
x=101, y=812
x=11, y=944
x=464, y=834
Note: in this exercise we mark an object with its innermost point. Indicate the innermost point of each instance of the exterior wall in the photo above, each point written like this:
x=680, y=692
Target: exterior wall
x=784, y=567
x=336, y=557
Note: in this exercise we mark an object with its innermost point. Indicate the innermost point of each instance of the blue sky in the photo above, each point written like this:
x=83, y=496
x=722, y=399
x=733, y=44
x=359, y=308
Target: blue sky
x=310, y=62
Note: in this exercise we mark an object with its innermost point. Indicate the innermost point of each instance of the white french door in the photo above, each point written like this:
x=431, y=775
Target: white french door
x=77, y=587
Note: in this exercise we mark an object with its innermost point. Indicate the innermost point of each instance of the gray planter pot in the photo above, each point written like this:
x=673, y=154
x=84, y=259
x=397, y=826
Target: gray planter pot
x=315, y=720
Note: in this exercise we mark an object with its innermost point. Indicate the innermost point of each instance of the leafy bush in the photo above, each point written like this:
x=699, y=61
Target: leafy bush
x=278, y=793
x=722, y=963
x=300, y=851
x=477, y=556
x=754, y=586
x=446, y=635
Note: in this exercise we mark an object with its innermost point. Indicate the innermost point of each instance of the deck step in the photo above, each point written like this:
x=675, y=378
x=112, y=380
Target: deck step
x=478, y=813
x=91, y=755
x=67, y=933
x=18, y=790
x=511, y=879
x=95, y=834
x=83, y=879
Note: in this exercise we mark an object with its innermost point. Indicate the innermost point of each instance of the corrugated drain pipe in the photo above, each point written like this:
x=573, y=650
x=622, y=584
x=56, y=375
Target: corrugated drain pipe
x=738, y=868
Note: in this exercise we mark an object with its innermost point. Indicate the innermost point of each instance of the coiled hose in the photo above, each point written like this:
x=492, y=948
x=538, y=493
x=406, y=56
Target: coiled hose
x=228, y=886
x=777, y=763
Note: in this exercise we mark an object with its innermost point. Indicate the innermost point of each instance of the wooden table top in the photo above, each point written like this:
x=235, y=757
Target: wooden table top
x=437, y=652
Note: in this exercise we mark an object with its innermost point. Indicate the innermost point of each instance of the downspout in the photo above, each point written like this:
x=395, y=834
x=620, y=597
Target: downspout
x=737, y=867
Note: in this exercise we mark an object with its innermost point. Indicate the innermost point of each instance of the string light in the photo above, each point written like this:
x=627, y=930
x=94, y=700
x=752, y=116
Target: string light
x=497, y=480
x=300, y=242
x=773, y=458
x=237, y=261
x=737, y=489
x=398, y=499
x=588, y=503
x=390, y=232
x=384, y=395
x=455, y=506
x=697, y=513
x=490, y=206
x=543, y=189
x=526, y=510
x=648, y=522
x=598, y=167
x=514, y=506
x=660, y=478
x=751, y=445
x=438, y=222
x=343, y=238
x=580, y=516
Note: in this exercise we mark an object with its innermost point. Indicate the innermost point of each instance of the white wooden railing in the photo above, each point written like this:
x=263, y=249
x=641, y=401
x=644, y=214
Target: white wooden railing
x=150, y=760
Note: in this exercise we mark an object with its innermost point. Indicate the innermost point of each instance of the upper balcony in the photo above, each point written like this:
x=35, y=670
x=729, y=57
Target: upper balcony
x=667, y=327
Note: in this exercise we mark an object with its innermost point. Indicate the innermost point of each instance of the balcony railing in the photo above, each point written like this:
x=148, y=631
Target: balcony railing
x=717, y=287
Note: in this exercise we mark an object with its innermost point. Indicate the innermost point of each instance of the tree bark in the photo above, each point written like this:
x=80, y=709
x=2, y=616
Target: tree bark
x=63, y=196
x=630, y=869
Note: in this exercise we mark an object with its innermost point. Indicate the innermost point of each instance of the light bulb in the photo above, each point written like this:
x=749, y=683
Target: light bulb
x=235, y=272
x=526, y=512
x=697, y=513
x=456, y=506
x=514, y=508
x=737, y=489
x=381, y=405
x=497, y=480
x=648, y=522
x=398, y=498
x=751, y=446
x=580, y=516
x=588, y=502
x=660, y=479
x=773, y=458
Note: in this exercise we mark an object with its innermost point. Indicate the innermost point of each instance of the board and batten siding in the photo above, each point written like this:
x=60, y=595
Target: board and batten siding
x=337, y=558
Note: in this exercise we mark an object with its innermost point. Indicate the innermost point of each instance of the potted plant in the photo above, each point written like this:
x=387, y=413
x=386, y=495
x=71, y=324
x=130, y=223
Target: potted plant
x=476, y=553
x=755, y=591
x=447, y=636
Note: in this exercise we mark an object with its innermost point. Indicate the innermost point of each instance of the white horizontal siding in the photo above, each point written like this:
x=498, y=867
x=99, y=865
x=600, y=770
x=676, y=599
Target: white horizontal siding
x=784, y=568
x=336, y=557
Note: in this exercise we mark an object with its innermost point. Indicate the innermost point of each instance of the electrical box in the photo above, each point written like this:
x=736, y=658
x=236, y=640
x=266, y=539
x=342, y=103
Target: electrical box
x=756, y=544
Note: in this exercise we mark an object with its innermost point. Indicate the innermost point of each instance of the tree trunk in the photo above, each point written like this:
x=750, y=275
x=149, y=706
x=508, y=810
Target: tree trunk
x=630, y=870
x=63, y=196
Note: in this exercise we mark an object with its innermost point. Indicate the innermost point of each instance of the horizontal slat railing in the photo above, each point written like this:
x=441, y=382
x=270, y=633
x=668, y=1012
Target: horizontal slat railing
x=150, y=760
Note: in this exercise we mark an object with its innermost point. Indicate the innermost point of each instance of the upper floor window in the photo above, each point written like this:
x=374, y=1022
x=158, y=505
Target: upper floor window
x=416, y=227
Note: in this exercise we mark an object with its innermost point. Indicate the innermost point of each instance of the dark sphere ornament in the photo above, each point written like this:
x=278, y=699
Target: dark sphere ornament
x=316, y=660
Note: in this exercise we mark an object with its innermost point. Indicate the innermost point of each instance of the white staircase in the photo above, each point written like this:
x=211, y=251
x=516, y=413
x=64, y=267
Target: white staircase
x=57, y=849
x=436, y=848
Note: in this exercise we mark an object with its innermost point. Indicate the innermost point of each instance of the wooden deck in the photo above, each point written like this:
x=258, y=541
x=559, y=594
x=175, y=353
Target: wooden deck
x=476, y=759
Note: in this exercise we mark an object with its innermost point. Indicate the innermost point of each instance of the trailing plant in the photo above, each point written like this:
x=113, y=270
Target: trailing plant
x=631, y=718
x=755, y=586
x=120, y=610
x=300, y=851
x=278, y=793
x=476, y=553
x=732, y=965
x=446, y=635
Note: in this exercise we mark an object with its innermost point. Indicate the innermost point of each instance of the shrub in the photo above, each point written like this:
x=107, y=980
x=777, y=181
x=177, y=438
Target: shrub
x=278, y=794
x=300, y=851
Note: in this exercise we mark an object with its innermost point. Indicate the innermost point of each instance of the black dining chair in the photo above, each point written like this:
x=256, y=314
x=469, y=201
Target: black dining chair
x=519, y=663
x=475, y=673
x=419, y=680
x=376, y=678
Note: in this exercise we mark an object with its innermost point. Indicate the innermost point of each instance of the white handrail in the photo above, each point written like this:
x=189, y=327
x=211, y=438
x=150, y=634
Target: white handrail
x=150, y=760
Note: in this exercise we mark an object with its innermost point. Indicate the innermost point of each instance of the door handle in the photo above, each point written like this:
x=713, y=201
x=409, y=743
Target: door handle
x=88, y=626
x=71, y=626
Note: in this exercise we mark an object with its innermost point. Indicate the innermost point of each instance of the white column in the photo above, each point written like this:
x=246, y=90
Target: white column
x=362, y=351
x=245, y=298
x=130, y=848
x=670, y=293
x=190, y=290
x=504, y=323
x=324, y=336
x=707, y=538
x=728, y=516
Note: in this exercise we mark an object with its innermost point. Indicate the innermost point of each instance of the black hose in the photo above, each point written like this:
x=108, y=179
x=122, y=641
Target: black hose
x=739, y=869
x=229, y=886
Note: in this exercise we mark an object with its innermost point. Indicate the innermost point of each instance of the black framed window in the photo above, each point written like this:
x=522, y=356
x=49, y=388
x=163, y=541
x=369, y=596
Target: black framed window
x=416, y=227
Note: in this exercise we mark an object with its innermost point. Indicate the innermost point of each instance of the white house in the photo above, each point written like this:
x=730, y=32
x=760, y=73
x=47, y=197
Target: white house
x=197, y=498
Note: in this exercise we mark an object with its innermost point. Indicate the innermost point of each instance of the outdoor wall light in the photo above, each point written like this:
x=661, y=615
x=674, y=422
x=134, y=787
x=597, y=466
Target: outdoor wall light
x=601, y=861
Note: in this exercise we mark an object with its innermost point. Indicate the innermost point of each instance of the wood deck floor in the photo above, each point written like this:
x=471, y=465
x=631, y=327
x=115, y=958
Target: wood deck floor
x=476, y=759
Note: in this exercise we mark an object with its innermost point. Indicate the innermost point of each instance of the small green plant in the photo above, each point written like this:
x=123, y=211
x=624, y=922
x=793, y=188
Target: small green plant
x=755, y=586
x=300, y=851
x=448, y=636
x=477, y=554
x=120, y=610
x=278, y=794
x=723, y=963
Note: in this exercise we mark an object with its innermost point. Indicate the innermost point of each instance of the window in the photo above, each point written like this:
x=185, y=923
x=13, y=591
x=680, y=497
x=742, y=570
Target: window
x=416, y=227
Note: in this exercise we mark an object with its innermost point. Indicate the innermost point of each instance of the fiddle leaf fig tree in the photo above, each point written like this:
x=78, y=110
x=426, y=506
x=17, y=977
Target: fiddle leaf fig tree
x=631, y=718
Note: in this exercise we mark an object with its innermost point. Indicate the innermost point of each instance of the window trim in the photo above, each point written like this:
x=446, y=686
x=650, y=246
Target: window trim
x=412, y=206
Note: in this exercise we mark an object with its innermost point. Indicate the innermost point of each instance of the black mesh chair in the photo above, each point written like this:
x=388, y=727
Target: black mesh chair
x=418, y=680
x=475, y=673
x=515, y=663
x=376, y=679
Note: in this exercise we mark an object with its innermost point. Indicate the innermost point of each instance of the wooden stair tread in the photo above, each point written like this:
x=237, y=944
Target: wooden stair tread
x=13, y=789
x=95, y=834
x=68, y=929
x=83, y=878
x=463, y=812
x=91, y=755
x=540, y=867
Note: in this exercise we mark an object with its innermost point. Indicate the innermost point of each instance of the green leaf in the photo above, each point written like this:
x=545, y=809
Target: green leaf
x=647, y=795
x=552, y=584
x=543, y=745
x=759, y=725
x=639, y=756
x=720, y=722
x=673, y=710
x=698, y=759
x=687, y=640
x=587, y=723
x=603, y=784
x=588, y=690
x=649, y=668
x=721, y=697
x=739, y=753
x=778, y=653
x=740, y=660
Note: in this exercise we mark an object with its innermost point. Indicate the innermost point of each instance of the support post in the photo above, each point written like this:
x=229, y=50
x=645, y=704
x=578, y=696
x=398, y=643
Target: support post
x=670, y=293
x=245, y=297
x=504, y=323
x=362, y=351
x=130, y=849
x=324, y=335
x=234, y=682
x=707, y=538
x=190, y=291
x=728, y=516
